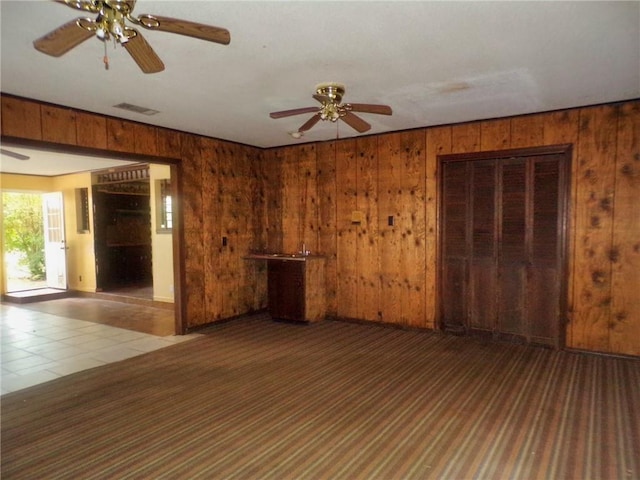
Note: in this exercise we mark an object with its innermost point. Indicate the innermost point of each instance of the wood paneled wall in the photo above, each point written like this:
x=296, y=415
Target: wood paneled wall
x=381, y=272
x=279, y=199
x=221, y=194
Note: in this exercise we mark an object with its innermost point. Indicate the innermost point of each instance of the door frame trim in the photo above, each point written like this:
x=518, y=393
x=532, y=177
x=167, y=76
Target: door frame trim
x=178, y=229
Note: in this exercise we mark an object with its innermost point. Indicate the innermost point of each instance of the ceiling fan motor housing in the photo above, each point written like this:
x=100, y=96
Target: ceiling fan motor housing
x=334, y=91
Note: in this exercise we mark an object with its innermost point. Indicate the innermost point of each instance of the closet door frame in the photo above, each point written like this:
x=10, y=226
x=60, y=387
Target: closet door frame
x=566, y=151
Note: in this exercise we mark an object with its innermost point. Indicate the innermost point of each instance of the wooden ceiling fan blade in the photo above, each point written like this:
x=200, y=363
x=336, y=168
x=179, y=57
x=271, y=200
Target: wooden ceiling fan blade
x=369, y=108
x=309, y=123
x=295, y=111
x=143, y=54
x=355, y=122
x=12, y=154
x=184, y=27
x=64, y=38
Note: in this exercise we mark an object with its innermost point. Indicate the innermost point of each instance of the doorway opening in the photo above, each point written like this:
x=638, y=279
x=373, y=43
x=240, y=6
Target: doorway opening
x=23, y=241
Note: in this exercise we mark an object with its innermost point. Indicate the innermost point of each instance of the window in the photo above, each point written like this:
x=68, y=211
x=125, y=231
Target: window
x=164, y=207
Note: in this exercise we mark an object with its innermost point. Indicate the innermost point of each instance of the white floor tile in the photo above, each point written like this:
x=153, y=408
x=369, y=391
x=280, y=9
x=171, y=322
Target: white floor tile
x=12, y=384
x=25, y=363
x=100, y=343
x=37, y=347
x=148, y=344
x=65, y=352
x=13, y=354
x=116, y=354
x=68, y=367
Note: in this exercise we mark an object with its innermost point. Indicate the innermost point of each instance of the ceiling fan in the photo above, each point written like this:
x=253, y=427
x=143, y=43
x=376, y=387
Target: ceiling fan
x=330, y=95
x=12, y=154
x=110, y=23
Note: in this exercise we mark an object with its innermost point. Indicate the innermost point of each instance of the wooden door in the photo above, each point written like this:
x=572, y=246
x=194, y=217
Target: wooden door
x=502, y=252
x=55, y=245
x=286, y=286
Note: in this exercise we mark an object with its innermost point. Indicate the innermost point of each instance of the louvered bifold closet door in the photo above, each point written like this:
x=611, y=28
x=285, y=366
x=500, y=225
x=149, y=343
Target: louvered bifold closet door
x=544, y=300
x=502, y=244
x=455, y=255
x=512, y=250
x=483, y=245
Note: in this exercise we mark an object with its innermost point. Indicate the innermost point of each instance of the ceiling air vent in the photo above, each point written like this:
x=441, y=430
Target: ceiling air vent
x=136, y=109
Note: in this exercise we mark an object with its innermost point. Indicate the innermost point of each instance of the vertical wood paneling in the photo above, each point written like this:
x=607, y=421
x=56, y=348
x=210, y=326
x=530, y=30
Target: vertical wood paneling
x=390, y=205
x=120, y=135
x=527, y=131
x=438, y=142
x=414, y=236
x=247, y=209
x=272, y=172
x=169, y=143
x=21, y=118
x=145, y=139
x=213, y=252
x=594, y=211
x=194, y=251
x=231, y=209
x=327, y=226
x=346, y=261
x=308, y=198
x=402, y=247
x=602, y=231
x=292, y=221
x=625, y=251
x=91, y=131
x=465, y=138
x=256, y=271
x=495, y=134
x=367, y=253
x=58, y=125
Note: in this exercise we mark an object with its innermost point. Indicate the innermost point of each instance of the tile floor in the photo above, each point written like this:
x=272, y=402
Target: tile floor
x=36, y=347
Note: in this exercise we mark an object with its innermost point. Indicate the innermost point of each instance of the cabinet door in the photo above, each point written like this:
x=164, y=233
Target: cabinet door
x=286, y=290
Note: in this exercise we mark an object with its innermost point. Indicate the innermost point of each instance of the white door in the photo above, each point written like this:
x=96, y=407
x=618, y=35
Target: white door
x=55, y=248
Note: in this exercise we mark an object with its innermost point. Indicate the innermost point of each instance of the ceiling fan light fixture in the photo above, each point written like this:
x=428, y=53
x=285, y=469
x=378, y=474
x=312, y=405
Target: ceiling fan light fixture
x=110, y=22
x=330, y=96
x=330, y=112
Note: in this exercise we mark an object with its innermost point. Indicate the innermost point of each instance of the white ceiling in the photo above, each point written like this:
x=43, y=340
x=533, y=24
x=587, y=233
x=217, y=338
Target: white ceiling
x=432, y=62
x=52, y=164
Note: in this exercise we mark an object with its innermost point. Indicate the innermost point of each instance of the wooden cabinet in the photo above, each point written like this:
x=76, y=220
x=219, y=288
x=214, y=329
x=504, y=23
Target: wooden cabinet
x=296, y=289
x=122, y=238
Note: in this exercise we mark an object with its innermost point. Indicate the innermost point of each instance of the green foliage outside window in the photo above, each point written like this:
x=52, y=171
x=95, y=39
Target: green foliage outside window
x=24, y=231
